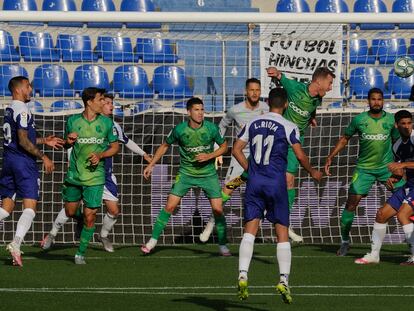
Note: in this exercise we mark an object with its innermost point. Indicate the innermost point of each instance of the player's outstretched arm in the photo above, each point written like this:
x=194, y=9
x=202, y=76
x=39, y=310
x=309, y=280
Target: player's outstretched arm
x=304, y=161
x=342, y=142
x=238, y=154
x=131, y=145
x=51, y=141
x=202, y=157
x=157, y=156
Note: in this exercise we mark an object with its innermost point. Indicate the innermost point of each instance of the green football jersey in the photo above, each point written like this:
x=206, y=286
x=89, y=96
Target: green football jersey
x=301, y=105
x=375, y=139
x=192, y=142
x=93, y=137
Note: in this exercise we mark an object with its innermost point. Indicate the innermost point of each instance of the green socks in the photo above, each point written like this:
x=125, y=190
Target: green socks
x=291, y=198
x=244, y=176
x=85, y=238
x=225, y=197
x=221, y=229
x=160, y=223
x=347, y=219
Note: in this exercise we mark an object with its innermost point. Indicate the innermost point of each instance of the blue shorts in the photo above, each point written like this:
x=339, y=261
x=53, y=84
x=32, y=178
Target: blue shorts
x=19, y=177
x=402, y=195
x=270, y=195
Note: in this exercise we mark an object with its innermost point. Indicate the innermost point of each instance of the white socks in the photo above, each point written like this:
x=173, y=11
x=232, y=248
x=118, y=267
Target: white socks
x=107, y=224
x=60, y=220
x=378, y=235
x=151, y=243
x=23, y=225
x=3, y=214
x=409, y=235
x=284, y=259
x=245, y=254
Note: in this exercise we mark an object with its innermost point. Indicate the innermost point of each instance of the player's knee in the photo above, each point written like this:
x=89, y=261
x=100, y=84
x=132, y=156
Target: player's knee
x=170, y=208
x=380, y=217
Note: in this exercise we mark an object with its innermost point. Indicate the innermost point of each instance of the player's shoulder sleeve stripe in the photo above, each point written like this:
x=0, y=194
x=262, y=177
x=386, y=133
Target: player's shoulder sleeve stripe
x=397, y=144
x=412, y=137
x=120, y=133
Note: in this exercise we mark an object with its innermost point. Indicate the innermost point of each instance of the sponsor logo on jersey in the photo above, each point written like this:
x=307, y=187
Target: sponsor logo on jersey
x=90, y=140
x=299, y=111
x=374, y=136
x=197, y=149
x=23, y=119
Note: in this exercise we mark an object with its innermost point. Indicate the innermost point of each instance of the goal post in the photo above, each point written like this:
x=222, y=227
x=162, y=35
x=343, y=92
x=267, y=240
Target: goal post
x=214, y=53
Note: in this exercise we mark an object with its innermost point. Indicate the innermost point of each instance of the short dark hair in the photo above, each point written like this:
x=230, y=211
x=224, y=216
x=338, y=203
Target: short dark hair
x=252, y=80
x=15, y=82
x=375, y=90
x=90, y=93
x=402, y=114
x=194, y=101
x=109, y=95
x=277, y=98
x=322, y=72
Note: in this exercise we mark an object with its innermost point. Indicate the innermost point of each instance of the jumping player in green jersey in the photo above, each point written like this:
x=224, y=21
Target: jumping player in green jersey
x=303, y=99
x=375, y=129
x=195, y=138
x=93, y=138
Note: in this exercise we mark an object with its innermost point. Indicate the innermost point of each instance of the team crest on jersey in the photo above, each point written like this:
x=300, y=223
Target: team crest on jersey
x=23, y=119
x=114, y=131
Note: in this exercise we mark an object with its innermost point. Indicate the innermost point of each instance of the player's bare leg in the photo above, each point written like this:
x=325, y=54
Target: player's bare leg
x=404, y=214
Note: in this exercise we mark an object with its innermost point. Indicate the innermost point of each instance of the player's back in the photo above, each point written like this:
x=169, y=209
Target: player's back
x=404, y=152
x=17, y=116
x=269, y=138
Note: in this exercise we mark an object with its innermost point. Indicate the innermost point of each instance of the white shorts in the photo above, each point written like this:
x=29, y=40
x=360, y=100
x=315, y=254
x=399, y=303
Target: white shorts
x=110, y=192
x=234, y=169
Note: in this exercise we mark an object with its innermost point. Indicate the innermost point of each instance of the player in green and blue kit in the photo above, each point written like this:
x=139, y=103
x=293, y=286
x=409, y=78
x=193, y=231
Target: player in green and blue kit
x=376, y=131
x=195, y=138
x=93, y=138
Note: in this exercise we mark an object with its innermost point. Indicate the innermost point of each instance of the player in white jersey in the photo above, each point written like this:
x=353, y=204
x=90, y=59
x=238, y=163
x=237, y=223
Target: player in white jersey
x=110, y=195
x=20, y=174
x=239, y=115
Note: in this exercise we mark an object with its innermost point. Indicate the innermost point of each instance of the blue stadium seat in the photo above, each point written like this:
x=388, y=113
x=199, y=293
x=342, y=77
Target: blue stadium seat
x=6, y=73
x=180, y=105
x=331, y=6
x=200, y=52
x=404, y=6
x=20, y=5
x=75, y=48
x=61, y=5
x=7, y=50
x=213, y=103
x=101, y=6
x=52, y=81
x=131, y=82
x=359, y=52
x=400, y=87
x=155, y=51
x=37, y=46
x=363, y=79
x=292, y=6
x=388, y=50
x=139, y=6
x=114, y=49
x=61, y=105
x=90, y=76
x=236, y=53
x=35, y=106
x=372, y=6
x=170, y=82
x=118, y=110
x=144, y=106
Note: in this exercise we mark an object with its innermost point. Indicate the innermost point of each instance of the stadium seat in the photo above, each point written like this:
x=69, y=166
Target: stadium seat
x=61, y=105
x=103, y=6
x=400, y=87
x=35, y=106
x=372, y=6
x=61, y=5
x=331, y=6
x=213, y=103
x=20, y=5
x=139, y=6
x=37, y=46
x=75, y=48
x=144, y=106
x=114, y=49
x=6, y=73
x=388, y=50
x=7, y=50
x=170, y=82
x=155, y=51
x=200, y=52
x=359, y=52
x=51, y=81
x=292, y=6
x=363, y=79
x=131, y=82
x=236, y=53
x=90, y=76
x=403, y=6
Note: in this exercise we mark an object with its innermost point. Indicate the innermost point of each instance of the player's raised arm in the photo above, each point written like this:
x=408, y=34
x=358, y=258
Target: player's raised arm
x=342, y=142
x=51, y=141
x=304, y=161
x=157, y=156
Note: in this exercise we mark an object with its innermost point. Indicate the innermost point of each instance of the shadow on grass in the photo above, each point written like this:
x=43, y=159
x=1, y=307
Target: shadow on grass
x=216, y=304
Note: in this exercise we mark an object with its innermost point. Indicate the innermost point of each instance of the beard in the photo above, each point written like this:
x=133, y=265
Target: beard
x=376, y=110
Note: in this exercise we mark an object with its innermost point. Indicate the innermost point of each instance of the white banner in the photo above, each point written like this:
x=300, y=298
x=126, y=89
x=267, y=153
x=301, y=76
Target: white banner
x=298, y=55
